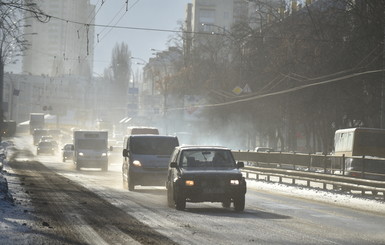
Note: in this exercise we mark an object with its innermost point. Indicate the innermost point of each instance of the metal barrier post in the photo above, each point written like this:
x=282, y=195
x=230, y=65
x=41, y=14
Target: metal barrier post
x=325, y=167
x=343, y=165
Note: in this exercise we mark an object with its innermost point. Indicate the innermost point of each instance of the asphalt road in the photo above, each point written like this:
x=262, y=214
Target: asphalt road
x=93, y=207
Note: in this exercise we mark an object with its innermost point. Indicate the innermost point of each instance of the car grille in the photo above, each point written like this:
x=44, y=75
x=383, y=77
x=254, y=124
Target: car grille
x=213, y=183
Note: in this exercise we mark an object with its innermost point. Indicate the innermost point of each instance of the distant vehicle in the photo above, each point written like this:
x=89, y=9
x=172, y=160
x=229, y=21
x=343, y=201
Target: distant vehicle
x=36, y=120
x=46, y=138
x=146, y=159
x=205, y=174
x=38, y=133
x=142, y=130
x=91, y=149
x=45, y=147
x=68, y=152
x=8, y=128
x=263, y=149
x=354, y=143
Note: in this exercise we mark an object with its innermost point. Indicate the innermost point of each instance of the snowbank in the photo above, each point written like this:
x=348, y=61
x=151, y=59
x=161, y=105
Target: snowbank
x=332, y=197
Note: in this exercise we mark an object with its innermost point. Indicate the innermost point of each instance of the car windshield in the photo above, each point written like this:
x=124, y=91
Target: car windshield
x=92, y=144
x=207, y=159
x=153, y=145
x=45, y=144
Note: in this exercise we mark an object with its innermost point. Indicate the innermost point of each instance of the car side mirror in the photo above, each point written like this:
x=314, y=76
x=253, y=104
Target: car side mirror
x=173, y=165
x=240, y=164
x=125, y=153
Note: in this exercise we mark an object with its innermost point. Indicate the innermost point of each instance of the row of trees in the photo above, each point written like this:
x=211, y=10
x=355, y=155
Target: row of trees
x=313, y=71
x=12, y=42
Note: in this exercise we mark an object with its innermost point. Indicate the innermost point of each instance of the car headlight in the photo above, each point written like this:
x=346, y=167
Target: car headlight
x=81, y=154
x=234, y=182
x=136, y=163
x=189, y=182
x=104, y=154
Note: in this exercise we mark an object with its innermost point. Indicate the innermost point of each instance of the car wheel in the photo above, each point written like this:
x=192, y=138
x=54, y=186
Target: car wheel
x=180, y=202
x=226, y=203
x=105, y=168
x=170, y=198
x=64, y=160
x=131, y=184
x=77, y=167
x=239, y=203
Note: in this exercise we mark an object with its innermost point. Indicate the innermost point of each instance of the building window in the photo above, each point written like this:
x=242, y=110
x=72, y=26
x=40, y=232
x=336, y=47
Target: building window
x=206, y=16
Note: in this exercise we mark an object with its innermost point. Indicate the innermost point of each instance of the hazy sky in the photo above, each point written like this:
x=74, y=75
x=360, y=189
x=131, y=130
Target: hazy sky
x=152, y=14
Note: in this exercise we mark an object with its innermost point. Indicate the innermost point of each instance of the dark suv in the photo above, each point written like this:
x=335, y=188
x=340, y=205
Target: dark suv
x=205, y=174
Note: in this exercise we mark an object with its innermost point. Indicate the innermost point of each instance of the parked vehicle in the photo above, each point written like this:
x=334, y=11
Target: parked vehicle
x=91, y=149
x=8, y=128
x=364, y=151
x=146, y=159
x=68, y=152
x=205, y=174
x=263, y=149
x=45, y=147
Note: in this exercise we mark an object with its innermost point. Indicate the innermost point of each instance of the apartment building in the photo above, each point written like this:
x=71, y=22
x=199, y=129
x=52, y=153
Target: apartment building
x=59, y=44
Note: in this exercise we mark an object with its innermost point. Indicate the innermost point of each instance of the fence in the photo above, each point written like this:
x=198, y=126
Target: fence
x=336, y=171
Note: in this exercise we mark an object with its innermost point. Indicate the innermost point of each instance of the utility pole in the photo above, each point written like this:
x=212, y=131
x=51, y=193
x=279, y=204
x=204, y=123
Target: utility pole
x=1, y=94
x=382, y=107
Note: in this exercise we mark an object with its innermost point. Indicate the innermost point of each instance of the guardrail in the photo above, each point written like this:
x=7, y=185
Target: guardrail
x=309, y=168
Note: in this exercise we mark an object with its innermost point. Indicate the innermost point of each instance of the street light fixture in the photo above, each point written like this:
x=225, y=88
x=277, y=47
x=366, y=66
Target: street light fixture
x=137, y=58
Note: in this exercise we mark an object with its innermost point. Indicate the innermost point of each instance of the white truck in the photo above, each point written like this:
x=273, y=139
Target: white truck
x=91, y=149
x=36, y=121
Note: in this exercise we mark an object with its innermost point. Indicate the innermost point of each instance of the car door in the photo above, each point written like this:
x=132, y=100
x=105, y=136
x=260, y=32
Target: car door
x=172, y=171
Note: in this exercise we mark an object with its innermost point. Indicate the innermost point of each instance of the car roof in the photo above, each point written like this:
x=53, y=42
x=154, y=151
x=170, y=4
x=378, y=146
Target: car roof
x=45, y=142
x=150, y=136
x=202, y=147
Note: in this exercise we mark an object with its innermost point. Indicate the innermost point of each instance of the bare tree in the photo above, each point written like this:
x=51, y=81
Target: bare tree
x=12, y=42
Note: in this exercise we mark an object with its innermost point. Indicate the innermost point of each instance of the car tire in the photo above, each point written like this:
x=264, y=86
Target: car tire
x=239, y=203
x=105, y=168
x=170, y=198
x=180, y=202
x=77, y=167
x=226, y=203
x=64, y=160
x=130, y=183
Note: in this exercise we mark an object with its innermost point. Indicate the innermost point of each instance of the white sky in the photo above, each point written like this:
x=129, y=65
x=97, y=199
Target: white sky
x=152, y=14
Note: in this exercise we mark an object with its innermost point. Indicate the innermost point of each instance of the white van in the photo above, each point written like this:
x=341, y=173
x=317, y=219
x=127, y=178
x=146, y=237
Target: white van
x=142, y=130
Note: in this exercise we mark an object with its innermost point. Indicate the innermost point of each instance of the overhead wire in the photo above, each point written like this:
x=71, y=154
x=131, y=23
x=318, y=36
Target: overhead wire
x=108, y=26
x=256, y=97
x=121, y=17
x=167, y=30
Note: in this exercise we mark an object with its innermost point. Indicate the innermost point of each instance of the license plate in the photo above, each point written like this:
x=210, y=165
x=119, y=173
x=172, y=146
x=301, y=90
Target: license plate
x=212, y=190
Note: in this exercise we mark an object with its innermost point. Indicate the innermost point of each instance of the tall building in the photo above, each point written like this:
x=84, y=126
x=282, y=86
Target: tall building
x=60, y=45
x=208, y=15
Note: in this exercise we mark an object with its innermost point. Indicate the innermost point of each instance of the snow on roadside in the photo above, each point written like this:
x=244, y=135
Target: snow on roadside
x=331, y=197
x=15, y=220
